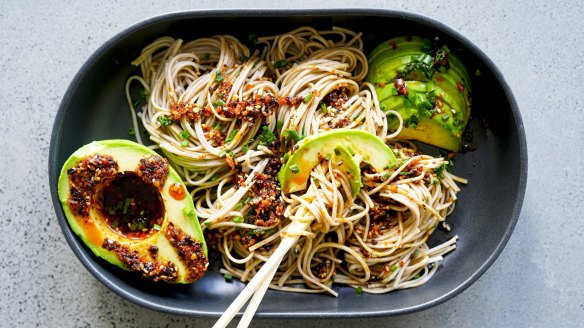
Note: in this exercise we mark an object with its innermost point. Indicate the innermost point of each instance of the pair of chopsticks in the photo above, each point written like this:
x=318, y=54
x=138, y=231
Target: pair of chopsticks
x=258, y=285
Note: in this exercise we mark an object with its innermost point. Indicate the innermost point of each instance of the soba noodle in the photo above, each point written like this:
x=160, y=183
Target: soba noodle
x=309, y=82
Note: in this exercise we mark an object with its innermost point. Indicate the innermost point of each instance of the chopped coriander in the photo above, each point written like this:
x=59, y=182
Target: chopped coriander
x=184, y=134
x=253, y=39
x=243, y=58
x=294, y=168
x=218, y=76
x=230, y=153
x=228, y=277
x=218, y=103
x=218, y=126
x=231, y=135
x=280, y=63
x=126, y=205
x=417, y=276
x=238, y=219
x=184, y=143
x=435, y=181
x=164, y=121
x=245, y=148
x=359, y=290
x=328, y=156
x=292, y=136
x=393, y=267
x=131, y=132
x=323, y=108
x=156, y=227
x=440, y=170
x=308, y=97
x=279, y=125
x=188, y=212
x=238, y=206
x=266, y=137
x=143, y=94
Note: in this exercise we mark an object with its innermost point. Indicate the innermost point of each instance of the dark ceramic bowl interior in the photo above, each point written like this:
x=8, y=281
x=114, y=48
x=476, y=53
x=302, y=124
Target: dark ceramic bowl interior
x=94, y=107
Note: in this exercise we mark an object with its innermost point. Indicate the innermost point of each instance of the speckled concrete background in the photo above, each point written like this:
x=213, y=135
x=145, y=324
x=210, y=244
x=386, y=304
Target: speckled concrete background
x=537, y=281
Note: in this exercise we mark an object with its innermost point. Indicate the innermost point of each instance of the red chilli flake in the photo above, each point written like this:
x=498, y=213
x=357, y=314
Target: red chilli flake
x=84, y=178
x=401, y=87
x=153, y=169
x=189, y=250
x=138, y=264
x=460, y=86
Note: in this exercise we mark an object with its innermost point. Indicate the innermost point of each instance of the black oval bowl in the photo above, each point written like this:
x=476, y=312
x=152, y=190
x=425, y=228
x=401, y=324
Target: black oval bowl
x=94, y=107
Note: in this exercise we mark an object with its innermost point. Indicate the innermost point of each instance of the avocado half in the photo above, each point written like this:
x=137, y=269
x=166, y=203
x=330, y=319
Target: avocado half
x=432, y=98
x=131, y=208
x=342, y=146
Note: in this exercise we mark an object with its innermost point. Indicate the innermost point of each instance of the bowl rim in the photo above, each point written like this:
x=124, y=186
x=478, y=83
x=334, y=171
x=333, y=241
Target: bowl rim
x=89, y=262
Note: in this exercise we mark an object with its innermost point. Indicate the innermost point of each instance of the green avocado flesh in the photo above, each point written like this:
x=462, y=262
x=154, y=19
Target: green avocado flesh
x=132, y=209
x=341, y=145
x=434, y=99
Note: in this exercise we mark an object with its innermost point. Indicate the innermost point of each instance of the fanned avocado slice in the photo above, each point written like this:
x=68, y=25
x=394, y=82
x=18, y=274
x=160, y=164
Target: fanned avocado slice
x=131, y=208
x=311, y=150
x=432, y=99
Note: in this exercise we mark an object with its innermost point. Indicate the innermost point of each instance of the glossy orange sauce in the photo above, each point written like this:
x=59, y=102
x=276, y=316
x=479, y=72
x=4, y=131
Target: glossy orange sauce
x=177, y=191
x=92, y=233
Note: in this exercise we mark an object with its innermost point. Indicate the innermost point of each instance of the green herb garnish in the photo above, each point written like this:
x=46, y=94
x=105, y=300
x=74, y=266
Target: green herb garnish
x=164, y=121
x=131, y=132
x=184, y=134
x=228, y=277
x=359, y=290
x=279, y=125
x=218, y=76
x=231, y=135
x=266, y=137
x=156, y=227
x=294, y=168
x=280, y=63
x=308, y=97
x=292, y=136
x=253, y=39
x=126, y=205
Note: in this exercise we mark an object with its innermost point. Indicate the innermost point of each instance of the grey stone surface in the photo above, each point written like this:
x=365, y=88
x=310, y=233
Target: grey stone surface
x=536, y=282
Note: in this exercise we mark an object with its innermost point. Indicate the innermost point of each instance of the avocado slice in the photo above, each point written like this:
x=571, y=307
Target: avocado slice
x=132, y=209
x=311, y=150
x=436, y=105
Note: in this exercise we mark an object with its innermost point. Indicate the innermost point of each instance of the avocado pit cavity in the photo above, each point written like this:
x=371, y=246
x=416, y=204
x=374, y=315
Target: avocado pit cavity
x=130, y=206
